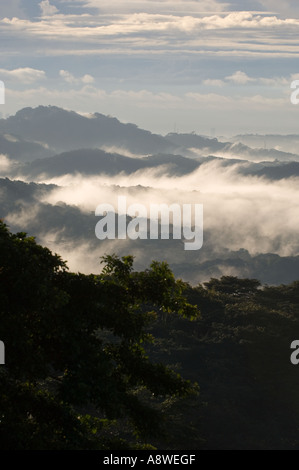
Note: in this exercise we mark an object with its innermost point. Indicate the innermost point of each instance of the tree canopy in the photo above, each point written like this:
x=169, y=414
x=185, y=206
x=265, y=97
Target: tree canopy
x=112, y=361
x=76, y=362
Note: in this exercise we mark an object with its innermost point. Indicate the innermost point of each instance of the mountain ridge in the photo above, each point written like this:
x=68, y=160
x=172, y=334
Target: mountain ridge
x=64, y=130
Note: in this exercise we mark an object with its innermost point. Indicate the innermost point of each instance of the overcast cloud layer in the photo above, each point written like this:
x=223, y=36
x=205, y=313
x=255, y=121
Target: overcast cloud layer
x=210, y=66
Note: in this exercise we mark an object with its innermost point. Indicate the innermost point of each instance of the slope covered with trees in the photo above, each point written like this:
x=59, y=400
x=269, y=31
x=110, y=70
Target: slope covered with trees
x=75, y=362
x=130, y=359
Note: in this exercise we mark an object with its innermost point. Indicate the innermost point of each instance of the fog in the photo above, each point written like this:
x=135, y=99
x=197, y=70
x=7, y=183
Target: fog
x=250, y=222
x=240, y=212
x=5, y=164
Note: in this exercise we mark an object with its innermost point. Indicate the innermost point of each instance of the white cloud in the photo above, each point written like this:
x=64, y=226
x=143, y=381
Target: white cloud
x=162, y=32
x=25, y=75
x=213, y=82
x=256, y=214
x=167, y=34
x=47, y=9
x=93, y=27
x=5, y=164
x=87, y=79
x=239, y=78
x=70, y=78
x=275, y=81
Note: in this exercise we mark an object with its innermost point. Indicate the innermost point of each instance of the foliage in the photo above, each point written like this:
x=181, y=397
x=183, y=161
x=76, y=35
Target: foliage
x=94, y=362
x=76, y=343
x=238, y=351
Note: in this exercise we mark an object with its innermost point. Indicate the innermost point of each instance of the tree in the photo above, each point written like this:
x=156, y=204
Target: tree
x=233, y=286
x=75, y=349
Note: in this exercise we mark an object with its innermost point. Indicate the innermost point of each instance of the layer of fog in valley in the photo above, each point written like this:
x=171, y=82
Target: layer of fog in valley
x=57, y=166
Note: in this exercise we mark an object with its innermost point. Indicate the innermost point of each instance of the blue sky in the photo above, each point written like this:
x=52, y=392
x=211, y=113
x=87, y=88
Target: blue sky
x=206, y=66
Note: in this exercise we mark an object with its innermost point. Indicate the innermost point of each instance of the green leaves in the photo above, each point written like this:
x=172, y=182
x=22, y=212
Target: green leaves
x=75, y=341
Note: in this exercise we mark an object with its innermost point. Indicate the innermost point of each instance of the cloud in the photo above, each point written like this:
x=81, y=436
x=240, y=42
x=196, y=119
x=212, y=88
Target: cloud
x=239, y=78
x=25, y=75
x=5, y=165
x=69, y=78
x=24, y=215
x=177, y=42
x=88, y=27
x=213, y=82
x=47, y=9
x=239, y=211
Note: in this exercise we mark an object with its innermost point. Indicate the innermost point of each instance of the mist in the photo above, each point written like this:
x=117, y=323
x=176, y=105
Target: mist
x=249, y=195
x=241, y=212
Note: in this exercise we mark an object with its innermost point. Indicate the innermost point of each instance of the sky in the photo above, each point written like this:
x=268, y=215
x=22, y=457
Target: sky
x=213, y=67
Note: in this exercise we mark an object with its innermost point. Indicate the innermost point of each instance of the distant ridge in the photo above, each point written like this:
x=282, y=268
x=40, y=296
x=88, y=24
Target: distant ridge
x=97, y=161
x=64, y=130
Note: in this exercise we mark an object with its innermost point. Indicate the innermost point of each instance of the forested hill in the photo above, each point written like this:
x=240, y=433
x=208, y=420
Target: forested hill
x=135, y=360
